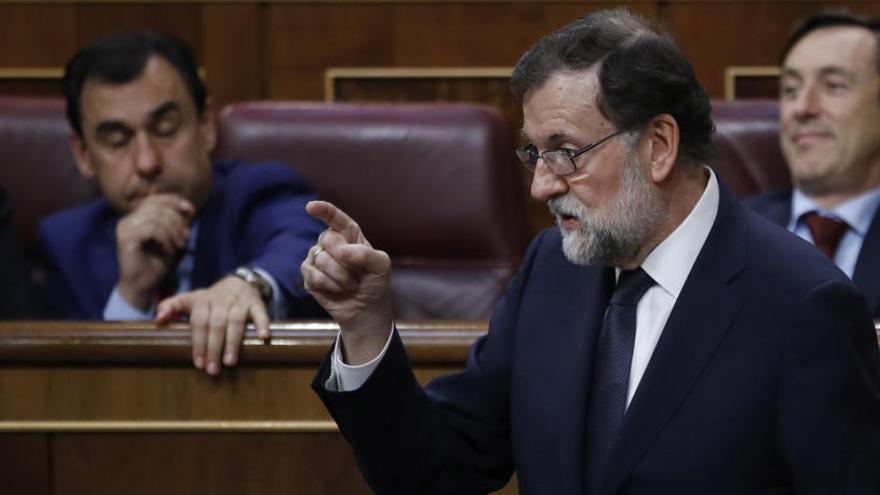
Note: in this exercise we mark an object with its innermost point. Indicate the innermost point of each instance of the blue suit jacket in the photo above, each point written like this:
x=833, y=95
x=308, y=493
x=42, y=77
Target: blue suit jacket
x=255, y=215
x=776, y=206
x=764, y=381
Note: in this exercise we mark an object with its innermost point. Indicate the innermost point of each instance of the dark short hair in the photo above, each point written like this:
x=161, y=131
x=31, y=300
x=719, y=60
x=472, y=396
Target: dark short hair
x=643, y=74
x=120, y=58
x=835, y=18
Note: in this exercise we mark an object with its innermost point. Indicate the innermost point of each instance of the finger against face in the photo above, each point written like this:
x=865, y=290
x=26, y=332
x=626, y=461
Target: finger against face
x=161, y=230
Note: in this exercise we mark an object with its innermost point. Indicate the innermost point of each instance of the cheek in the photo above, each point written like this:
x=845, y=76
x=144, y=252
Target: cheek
x=593, y=192
x=110, y=168
x=786, y=120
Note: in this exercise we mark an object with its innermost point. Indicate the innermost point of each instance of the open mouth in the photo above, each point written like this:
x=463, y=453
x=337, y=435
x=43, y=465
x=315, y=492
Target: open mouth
x=567, y=221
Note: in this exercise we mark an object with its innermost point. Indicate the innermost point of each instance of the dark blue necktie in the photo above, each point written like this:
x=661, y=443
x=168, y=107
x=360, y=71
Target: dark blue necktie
x=611, y=369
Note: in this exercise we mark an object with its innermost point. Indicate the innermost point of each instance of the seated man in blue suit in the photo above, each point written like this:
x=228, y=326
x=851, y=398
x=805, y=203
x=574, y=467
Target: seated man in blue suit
x=225, y=237
x=830, y=135
x=661, y=340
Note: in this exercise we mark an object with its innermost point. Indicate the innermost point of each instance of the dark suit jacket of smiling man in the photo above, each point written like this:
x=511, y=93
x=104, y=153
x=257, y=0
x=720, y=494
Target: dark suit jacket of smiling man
x=765, y=378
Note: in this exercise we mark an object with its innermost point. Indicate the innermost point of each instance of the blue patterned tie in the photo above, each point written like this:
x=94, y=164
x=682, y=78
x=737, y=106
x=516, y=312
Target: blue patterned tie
x=611, y=369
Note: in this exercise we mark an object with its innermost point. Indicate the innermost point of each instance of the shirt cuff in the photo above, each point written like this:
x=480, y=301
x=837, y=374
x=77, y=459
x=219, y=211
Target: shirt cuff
x=117, y=308
x=348, y=378
x=278, y=309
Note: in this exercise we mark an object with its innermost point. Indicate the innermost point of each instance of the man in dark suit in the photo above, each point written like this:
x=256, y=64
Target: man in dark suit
x=661, y=340
x=830, y=135
x=226, y=237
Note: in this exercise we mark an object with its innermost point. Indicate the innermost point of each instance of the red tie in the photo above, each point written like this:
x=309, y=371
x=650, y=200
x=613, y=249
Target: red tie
x=826, y=232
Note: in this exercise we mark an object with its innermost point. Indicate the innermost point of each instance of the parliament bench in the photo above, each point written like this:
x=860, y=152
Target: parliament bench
x=748, y=157
x=436, y=186
x=107, y=408
x=433, y=185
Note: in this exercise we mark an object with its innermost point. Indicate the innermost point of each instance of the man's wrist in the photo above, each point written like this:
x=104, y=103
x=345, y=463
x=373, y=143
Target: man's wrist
x=117, y=308
x=257, y=281
x=138, y=299
x=362, y=345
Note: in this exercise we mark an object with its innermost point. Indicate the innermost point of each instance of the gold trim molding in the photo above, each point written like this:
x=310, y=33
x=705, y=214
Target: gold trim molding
x=31, y=72
x=731, y=73
x=332, y=74
x=297, y=426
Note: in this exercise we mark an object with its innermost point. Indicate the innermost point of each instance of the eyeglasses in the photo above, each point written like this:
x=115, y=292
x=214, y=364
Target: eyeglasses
x=561, y=161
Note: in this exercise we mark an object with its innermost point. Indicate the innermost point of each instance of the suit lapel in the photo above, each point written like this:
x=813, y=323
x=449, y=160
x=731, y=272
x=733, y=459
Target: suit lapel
x=701, y=316
x=102, y=264
x=576, y=348
x=206, y=262
x=866, y=275
x=779, y=209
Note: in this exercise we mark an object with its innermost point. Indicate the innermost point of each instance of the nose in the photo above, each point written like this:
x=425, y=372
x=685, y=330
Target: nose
x=807, y=103
x=147, y=159
x=546, y=184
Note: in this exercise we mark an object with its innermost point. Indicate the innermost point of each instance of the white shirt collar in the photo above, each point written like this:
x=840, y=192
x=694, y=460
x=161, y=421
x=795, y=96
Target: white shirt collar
x=671, y=261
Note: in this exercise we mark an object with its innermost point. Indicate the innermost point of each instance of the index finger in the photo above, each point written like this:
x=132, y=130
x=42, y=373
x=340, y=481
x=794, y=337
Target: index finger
x=180, y=304
x=335, y=218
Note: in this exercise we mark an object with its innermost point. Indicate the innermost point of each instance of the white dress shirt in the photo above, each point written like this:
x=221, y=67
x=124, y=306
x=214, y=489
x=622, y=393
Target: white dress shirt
x=669, y=264
x=858, y=213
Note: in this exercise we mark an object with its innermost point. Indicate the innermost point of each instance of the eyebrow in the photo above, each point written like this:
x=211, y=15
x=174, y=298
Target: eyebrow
x=557, y=137
x=554, y=138
x=163, y=109
x=829, y=70
x=108, y=127
x=835, y=71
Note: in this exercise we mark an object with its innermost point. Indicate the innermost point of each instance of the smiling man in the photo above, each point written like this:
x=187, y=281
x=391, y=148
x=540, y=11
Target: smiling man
x=830, y=135
x=662, y=339
x=174, y=234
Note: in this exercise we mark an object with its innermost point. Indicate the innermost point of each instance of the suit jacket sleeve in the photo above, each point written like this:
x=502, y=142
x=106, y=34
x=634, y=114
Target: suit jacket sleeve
x=828, y=420
x=451, y=437
x=277, y=232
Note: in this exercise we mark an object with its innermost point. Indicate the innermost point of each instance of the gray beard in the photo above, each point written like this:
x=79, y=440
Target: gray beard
x=617, y=231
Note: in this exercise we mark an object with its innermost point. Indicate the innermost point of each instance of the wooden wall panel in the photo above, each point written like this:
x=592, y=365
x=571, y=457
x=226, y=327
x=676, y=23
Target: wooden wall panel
x=306, y=38
x=232, y=52
x=36, y=35
x=716, y=35
x=180, y=463
x=180, y=19
x=273, y=49
x=24, y=463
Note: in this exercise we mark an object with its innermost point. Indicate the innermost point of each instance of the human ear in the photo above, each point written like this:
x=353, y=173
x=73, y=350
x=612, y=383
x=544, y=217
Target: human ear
x=660, y=141
x=80, y=154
